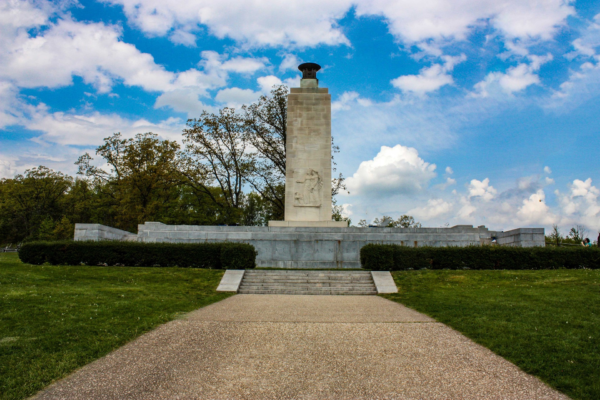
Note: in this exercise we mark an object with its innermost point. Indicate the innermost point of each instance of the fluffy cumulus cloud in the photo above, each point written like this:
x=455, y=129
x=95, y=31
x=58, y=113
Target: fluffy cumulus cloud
x=393, y=170
x=236, y=97
x=430, y=78
x=435, y=208
x=311, y=22
x=397, y=181
x=39, y=51
x=580, y=203
x=92, y=51
x=254, y=22
x=90, y=129
x=584, y=80
x=481, y=189
x=420, y=21
x=515, y=79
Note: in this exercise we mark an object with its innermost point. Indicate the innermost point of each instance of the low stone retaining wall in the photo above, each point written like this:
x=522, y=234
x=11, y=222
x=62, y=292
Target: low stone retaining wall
x=295, y=247
x=101, y=232
x=522, y=237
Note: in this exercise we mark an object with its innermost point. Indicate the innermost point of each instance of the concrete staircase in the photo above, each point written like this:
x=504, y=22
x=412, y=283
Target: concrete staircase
x=307, y=282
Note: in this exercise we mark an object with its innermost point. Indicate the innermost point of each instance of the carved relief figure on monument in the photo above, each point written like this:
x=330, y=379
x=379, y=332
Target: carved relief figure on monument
x=309, y=194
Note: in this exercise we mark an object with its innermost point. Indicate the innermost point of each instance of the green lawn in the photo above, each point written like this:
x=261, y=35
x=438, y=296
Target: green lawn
x=54, y=319
x=545, y=322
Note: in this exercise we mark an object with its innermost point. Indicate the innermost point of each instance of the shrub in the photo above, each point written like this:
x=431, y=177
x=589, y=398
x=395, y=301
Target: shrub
x=223, y=255
x=377, y=257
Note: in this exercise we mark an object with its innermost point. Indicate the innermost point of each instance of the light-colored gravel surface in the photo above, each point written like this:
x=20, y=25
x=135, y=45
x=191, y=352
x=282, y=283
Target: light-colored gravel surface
x=301, y=347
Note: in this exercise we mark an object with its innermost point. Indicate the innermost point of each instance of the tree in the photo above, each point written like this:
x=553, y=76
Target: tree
x=555, y=237
x=404, y=221
x=266, y=125
x=218, y=153
x=577, y=233
x=31, y=200
x=141, y=179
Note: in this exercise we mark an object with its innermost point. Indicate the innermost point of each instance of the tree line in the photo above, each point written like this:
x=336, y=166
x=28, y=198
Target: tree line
x=229, y=170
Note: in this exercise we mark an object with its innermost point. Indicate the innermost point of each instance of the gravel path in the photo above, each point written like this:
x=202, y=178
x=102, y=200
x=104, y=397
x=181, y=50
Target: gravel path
x=301, y=347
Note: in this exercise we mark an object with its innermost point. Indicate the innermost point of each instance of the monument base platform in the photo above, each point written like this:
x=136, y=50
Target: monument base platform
x=309, y=224
x=313, y=247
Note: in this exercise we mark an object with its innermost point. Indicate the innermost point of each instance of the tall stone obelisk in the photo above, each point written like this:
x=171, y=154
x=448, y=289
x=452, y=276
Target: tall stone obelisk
x=308, y=155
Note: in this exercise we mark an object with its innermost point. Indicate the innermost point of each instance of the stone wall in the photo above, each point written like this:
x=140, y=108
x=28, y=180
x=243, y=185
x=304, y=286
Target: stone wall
x=316, y=247
x=307, y=247
x=98, y=232
x=521, y=237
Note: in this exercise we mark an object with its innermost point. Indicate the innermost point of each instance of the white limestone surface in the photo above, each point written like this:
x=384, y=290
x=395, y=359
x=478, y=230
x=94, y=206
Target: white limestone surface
x=384, y=282
x=231, y=280
x=308, y=154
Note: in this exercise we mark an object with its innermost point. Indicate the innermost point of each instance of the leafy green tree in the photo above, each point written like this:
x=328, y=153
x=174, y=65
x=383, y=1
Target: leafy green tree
x=555, y=236
x=141, y=180
x=404, y=221
x=218, y=154
x=46, y=229
x=29, y=200
x=63, y=230
x=577, y=233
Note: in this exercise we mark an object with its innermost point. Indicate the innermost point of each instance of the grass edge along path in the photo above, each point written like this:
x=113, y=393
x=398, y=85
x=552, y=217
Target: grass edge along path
x=55, y=319
x=546, y=322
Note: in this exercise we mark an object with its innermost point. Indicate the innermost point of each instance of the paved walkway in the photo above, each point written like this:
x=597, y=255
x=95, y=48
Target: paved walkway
x=301, y=347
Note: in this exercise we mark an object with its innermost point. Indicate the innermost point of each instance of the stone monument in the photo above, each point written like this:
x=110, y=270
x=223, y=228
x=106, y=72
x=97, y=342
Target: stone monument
x=308, y=238
x=308, y=155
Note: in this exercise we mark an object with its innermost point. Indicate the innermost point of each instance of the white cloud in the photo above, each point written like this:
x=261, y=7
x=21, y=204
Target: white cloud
x=481, y=189
x=244, y=65
x=514, y=79
x=90, y=129
x=310, y=22
x=346, y=210
x=449, y=182
x=236, y=97
x=266, y=83
x=183, y=37
x=8, y=166
x=92, y=51
x=95, y=52
x=8, y=101
x=449, y=171
x=535, y=211
x=479, y=203
x=290, y=62
x=435, y=208
x=254, y=22
x=418, y=21
x=547, y=170
x=429, y=79
x=185, y=100
x=394, y=170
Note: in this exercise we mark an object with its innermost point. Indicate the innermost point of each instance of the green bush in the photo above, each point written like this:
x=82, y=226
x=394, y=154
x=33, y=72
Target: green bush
x=377, y=257
x=223, y=255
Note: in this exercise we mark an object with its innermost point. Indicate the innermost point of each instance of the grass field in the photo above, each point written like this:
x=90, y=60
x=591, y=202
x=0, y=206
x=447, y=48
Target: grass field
x=545, y=322
x=54, y=319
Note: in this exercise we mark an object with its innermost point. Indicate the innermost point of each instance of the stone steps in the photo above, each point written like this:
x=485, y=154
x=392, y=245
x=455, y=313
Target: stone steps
x=308, y=282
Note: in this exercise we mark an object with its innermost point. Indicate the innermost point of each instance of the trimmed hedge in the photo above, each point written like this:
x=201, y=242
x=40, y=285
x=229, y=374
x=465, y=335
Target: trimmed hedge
x=389, y=257
x=224, y=255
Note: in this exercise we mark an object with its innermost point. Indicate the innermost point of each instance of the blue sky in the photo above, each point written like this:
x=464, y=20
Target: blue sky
x=459, y=112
